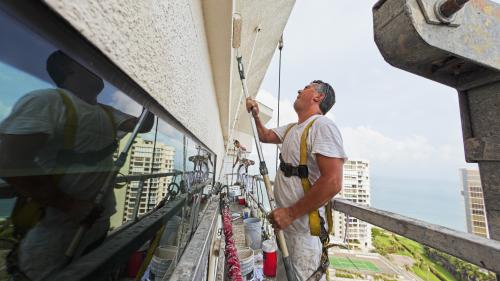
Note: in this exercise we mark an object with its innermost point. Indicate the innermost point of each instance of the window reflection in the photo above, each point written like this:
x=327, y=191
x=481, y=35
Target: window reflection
x=58, y=135
x=62, y=130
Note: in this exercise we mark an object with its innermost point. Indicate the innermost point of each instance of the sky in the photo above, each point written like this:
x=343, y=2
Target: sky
x=406, y=126
x=388, y=116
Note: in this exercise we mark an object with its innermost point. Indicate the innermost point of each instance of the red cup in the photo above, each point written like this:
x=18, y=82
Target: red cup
x=134, y=263
x=241, y=200
x=270, y=258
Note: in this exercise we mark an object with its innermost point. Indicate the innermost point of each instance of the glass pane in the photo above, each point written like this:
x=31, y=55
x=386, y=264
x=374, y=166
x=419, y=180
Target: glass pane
x=61, y=129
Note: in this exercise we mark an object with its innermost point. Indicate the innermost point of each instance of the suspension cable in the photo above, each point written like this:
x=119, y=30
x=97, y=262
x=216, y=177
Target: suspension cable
x=280, y=47
x=150, y=183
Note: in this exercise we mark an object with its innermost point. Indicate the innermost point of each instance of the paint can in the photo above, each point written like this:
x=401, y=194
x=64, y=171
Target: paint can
x=246, y=213
x=270, y=258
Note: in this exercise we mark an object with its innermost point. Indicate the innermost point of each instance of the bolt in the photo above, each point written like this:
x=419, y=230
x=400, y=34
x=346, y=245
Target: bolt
x=450, y=7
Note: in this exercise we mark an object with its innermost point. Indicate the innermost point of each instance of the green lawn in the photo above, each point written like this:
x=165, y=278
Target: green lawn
x=354, y=264
x=424, y=275
x=418, y=249
x=399, y=245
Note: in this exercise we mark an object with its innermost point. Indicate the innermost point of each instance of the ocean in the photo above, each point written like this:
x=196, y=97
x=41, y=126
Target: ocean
x=435, y=201
x=6, y=206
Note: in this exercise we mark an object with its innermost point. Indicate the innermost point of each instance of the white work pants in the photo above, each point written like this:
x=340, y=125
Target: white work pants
x=305, y=253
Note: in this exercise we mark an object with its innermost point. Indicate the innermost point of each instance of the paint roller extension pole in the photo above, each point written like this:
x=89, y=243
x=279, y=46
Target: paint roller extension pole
x=290, y=270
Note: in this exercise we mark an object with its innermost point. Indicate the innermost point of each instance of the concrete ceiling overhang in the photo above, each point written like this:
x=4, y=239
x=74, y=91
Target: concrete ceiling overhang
x=218, y=18
x=257, y=49
x=263, y=22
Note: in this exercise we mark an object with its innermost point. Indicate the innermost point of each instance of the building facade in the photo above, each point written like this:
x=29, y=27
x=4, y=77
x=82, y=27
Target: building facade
x=475, y=213
x=356, y=188
x=154, y=190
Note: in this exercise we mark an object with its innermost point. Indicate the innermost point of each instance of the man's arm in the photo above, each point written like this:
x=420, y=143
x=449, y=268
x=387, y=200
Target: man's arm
x=129, y=124
x=323, y=190
x=265, y=135
x=18, y=154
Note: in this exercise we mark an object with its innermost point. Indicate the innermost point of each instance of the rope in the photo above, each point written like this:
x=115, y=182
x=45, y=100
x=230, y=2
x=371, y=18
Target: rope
x=346, y=239
x=280, y=47
x=152, y=165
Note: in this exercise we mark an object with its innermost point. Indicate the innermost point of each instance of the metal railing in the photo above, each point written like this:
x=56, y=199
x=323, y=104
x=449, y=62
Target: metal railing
x=194, y=263
x=122, y=242
x=475, y=249
x=116, y=250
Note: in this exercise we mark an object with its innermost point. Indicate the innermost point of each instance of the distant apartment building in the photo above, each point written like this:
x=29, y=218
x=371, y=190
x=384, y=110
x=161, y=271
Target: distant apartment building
x=356, y=188
x=475, y=213
x=139, y=162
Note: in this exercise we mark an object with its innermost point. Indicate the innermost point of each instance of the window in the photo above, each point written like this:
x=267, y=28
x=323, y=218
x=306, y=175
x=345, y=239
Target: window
x=42, y=89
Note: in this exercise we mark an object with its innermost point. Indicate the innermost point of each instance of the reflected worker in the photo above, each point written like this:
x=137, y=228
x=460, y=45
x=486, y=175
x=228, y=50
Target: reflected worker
x=310, y=175
x=57, y=148
x=240, y=151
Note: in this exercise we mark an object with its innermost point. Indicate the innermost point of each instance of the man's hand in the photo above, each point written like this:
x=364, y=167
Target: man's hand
x=281, y=218
x=253, y=106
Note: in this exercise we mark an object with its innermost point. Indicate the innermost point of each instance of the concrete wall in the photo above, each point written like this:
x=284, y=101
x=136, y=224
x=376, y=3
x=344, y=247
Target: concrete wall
x=162, y=46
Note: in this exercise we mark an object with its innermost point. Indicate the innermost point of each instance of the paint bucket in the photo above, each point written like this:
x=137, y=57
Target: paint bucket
x=270, y=258
x=169, y=236
x=245, y=255
x=253, y=233
x=158, y=268
x=241, y=200
x=246, y=213
x=161, y=261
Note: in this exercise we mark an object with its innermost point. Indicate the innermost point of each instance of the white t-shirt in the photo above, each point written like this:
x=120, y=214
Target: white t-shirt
x=325, y=139
x=43, y=111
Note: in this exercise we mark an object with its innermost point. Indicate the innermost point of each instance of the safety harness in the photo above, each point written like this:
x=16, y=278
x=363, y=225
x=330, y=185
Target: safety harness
x=316, y=222
x=27, y=212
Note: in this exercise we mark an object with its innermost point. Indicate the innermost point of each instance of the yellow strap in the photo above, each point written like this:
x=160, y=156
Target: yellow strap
x=71, y=121
x=149, y=255
x=314, y=219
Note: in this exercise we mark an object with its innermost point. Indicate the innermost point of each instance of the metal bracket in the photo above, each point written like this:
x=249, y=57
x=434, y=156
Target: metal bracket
x=482, y=149
x=430, y=10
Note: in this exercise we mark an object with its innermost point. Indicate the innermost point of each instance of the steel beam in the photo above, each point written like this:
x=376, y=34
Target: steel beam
x=463, y=53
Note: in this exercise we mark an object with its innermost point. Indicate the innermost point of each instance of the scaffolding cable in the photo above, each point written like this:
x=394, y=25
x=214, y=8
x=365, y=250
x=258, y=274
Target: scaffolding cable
x=280, y=47
x=151, y=181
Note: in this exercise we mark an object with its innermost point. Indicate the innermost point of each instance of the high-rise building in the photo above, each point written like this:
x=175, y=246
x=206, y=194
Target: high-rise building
x=475, y=213
x=154, y=190
x=356, y=188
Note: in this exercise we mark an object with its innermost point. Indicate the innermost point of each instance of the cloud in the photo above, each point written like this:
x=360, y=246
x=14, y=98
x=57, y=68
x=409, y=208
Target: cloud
x=124, y=103
x=397, y=156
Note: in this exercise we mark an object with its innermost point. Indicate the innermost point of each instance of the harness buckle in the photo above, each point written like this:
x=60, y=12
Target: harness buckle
x=286, y=169
x=302, y=171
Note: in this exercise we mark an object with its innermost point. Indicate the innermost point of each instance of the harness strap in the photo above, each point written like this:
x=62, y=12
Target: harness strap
x=67, y=155
x=316, y=222
x=314, y=217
